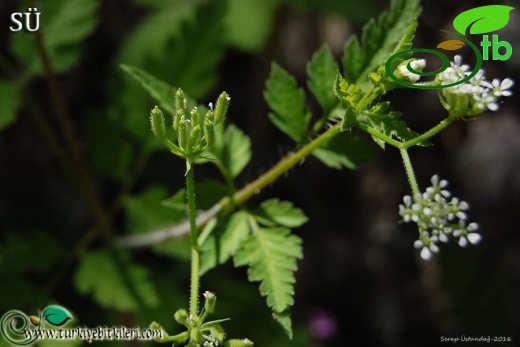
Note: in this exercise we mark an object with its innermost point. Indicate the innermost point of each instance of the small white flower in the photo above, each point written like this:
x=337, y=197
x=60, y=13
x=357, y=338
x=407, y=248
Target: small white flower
x=459, y=69
x=418, y=244
x=500, y=88
x=426, y=254
x=474, y=238
x=463, y=242
x=472, y=227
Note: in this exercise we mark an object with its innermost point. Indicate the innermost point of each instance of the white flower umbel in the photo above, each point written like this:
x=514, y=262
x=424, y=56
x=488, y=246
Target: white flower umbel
x=439, y=218
x=474, y=96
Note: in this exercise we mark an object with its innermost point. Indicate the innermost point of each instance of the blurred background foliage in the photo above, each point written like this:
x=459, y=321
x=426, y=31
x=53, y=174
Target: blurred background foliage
x=75, y=162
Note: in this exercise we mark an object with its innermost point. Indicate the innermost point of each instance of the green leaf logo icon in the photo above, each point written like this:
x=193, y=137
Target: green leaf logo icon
x=483, y=19
x=56, y=315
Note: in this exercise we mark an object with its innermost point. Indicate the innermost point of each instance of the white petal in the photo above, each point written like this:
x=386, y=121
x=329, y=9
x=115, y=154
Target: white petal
x=434, y=248
x=418, y=244
x=474, y=238
x=507, y=83
x=463, y=242
x=426, y=254
x=493, y=106
x=407, y=200
x=443, y=238
x=472, y=226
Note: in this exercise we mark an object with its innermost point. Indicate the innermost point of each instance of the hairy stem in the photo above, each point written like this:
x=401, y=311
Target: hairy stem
x=430, y=133
x=194, y=232
x=409, y=171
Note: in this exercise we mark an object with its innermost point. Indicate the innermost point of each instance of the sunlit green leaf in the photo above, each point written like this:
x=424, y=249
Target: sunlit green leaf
x=322, y=71
x=276, y=212
x=271, y=254
x=378, y=41
x=231, y=151
x=287, y=103
x=225, y=241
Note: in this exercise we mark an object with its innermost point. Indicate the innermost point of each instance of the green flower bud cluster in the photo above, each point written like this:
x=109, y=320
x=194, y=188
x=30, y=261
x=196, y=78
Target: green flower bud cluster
x=194, y=132
x=199, y=332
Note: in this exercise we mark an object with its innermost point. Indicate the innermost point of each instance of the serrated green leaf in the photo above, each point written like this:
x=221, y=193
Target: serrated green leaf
x=404, y=44
x=56, y=315
x=389, y=123
x=378, y=41
x=249, y=22
x=287, y=102
x=9, y=105
x=231, y=151
x=64, y=24
x=284, y=319
x=161, y=91
x=274, y=212
x=188, y=55
x=322, y=71
x=99, y=276
x=225, y=241
x=345, y=151
x=271, y=255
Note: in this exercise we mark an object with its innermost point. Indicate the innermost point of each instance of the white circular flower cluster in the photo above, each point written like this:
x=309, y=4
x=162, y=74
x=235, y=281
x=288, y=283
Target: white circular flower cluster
x=474, y=96
x=438, y=218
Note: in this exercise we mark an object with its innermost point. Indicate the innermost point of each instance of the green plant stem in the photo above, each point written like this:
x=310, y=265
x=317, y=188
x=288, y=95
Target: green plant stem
x=226, y=205
x=194, y=233
x=407, y=144
x=284, y=165
x=430, y=133
x=409, y=171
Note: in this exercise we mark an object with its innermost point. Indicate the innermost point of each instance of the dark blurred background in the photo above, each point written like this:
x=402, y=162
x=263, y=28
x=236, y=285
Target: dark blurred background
x=361, y=282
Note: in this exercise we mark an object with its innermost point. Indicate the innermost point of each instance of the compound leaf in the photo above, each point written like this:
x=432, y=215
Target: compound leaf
x=271, y=255
x=378, y=41
x=287, y=102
